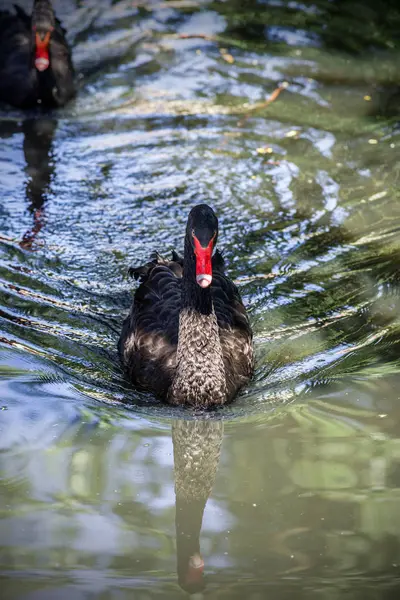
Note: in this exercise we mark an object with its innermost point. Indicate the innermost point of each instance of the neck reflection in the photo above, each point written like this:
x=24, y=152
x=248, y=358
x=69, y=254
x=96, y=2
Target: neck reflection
x=197, y=449
x=38, y=152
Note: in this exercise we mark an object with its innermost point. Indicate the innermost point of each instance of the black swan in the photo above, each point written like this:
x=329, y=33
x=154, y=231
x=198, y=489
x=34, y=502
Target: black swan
x=197, y=449
x=187, y=337
x=35, y=59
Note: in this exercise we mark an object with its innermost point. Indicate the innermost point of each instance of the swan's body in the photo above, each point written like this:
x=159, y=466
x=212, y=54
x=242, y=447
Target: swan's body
x=35, y=59
x=188, y=337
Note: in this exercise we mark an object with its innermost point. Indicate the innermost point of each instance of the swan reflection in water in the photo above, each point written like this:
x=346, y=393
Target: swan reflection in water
x=197, y=449
x=38, y=152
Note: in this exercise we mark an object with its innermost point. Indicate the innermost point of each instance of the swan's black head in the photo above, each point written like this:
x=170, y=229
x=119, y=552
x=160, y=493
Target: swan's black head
x=43, y=23
x=202, y=234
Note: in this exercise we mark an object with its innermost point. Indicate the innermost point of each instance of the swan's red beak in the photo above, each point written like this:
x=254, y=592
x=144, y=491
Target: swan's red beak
x=203, y=262
x=195, y=569
x=42, y=60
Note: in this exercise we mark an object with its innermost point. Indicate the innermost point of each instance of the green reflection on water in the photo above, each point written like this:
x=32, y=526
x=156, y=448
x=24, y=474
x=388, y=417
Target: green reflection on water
x=309, y=493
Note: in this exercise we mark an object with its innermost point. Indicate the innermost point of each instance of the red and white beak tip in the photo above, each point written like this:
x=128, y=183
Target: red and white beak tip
x=42, y=64
x=204, y=280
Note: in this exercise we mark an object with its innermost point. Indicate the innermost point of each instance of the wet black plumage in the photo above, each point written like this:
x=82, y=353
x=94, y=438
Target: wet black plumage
x=187, y=344
x=21, y=83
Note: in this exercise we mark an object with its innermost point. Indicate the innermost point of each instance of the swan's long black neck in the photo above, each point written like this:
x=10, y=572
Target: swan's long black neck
x=43, y=22
x=200, y=374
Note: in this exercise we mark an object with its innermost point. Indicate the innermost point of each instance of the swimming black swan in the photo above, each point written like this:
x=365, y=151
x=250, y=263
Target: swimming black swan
x=197, y=449
x=35, y=59
x=187, y=337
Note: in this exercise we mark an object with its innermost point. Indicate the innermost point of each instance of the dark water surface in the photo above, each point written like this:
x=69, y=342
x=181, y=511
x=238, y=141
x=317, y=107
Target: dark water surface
x=301, y=474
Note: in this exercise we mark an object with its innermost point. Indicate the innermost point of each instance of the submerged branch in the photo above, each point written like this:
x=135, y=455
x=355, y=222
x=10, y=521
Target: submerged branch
x=191, y=36
x=170, y=4
x=261, y=105
x=219, y=39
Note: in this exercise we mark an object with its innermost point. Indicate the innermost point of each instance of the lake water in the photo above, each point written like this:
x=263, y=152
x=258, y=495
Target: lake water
x=102, y=488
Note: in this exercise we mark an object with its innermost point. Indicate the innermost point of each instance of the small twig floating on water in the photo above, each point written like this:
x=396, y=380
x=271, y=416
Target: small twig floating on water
x=251, y=278
x=169, y=5
x=260, y=105
x=192, y=36
x=218, y=39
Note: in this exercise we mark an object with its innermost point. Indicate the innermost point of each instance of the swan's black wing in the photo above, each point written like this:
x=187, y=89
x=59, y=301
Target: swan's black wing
x=234, y=328
x=149, y=335
x=62, y=70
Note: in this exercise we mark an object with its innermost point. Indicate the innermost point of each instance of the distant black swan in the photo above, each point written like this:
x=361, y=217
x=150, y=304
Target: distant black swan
x=187, y=337
x=35, y=59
